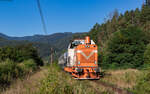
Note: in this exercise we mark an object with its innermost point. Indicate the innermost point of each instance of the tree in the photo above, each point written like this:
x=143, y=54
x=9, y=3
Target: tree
x=94, y=32
x=147, y=56
x=125, y=49
x=145, y=14
x=20, y=53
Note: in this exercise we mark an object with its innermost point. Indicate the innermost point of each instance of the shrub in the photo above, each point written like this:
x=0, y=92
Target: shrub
x=20, y=53
x=30, y=65
x=9, y=71
x=125, y=49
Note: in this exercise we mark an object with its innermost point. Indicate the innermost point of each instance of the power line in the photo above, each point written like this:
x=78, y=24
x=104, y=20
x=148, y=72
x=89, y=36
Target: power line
x=45, y=30
x=42, y=17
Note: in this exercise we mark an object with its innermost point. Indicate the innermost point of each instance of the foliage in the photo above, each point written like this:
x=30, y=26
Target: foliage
x=142, y=86
x=94, y=31
x=126, y=49
x=58, y=82
x=28, y=66
x=10, y=70
x=102, y=32
x=20, y=53
x=16, y=62
x=43, y=43
x=126, y=43
x=147, y=57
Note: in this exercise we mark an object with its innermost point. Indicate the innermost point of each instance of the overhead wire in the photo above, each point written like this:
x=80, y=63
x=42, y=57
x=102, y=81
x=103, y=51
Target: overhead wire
x=44, y=28
x=42, y=17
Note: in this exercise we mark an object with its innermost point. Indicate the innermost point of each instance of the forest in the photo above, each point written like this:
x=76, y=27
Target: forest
x=124, y=39
x=124, y=42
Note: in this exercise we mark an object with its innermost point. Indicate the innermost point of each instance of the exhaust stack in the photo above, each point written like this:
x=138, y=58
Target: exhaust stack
x=87, y=40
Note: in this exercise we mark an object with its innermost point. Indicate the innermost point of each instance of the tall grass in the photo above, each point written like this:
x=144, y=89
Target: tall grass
x=125, y=78
x=143, y=84
x=136, y=81
x=9, y=71
x=58, y=82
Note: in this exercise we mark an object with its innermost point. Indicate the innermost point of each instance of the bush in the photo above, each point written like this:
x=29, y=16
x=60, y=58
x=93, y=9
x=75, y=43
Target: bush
x=29, y=65
x=9, y=71
x=20, y=53
x=16, y=62
x=125, y=49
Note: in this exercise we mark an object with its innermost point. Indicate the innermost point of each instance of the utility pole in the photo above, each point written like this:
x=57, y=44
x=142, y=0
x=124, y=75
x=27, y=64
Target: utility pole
x=45, y=29
x=51, y=56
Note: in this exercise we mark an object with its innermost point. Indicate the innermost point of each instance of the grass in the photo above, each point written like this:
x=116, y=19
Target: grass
x=52, y=80
x=122, y=78
x=143, y=84
x=58, y=82
x=10, y=71
x=28, y=85
x=136, y=81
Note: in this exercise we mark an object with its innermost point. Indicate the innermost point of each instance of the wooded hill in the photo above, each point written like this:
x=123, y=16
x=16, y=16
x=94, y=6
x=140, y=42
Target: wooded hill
x=123, y=39
x=58, y=41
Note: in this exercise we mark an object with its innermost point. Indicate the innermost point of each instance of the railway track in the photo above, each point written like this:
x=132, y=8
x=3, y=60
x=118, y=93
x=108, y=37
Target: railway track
x=114, y=88
x=110, y=87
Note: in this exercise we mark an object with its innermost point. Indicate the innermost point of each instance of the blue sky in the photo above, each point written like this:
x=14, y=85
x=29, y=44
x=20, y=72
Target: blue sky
x=21, y=17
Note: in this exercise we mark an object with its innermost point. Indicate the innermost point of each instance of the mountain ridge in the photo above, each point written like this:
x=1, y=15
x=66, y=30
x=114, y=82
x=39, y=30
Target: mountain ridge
x=58, y=41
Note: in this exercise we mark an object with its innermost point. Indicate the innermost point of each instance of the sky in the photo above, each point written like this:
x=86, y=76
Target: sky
x=22, y=18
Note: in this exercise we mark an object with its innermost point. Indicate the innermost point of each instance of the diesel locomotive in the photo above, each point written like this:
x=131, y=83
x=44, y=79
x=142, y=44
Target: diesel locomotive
x=81, y=59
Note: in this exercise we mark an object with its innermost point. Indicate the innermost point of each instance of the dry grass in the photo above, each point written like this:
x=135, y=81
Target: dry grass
x=101, y=88
x=125, y=79
x=59, y=82
x=29, y=85
x=122, y=78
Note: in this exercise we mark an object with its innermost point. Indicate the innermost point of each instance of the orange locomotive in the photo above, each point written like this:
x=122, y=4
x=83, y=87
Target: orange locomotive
x=82, y=59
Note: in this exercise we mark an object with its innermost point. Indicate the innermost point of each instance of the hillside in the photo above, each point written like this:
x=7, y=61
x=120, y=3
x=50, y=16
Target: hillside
x=123, y=39
x=58, y=41
x=40, y=38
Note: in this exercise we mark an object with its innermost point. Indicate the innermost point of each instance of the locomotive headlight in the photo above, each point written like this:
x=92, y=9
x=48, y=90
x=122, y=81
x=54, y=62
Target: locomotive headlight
x=87, y=46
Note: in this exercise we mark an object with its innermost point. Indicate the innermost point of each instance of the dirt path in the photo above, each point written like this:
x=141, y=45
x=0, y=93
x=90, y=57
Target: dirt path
x=114, y=88
x=29, y=85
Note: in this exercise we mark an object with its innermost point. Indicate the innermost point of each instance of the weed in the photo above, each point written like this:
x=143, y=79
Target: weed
x=58, y=82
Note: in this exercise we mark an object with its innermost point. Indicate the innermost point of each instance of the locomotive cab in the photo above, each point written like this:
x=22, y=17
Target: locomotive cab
x=82, y=59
